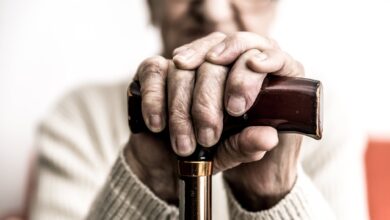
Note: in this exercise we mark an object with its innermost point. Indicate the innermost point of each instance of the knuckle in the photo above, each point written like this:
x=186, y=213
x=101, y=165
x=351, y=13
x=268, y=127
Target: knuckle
x=212, y=79
x=181, y=84
x=153, y=66
x=205, y=116
x=156, y=58
x=223, y=160
x=171, y=68
x=251, y=52
x=204, y=45
x=152, y=98
x=178, y=113
x=236, y=46
x=207, y=68
x=210, y=68
x=238, y=84
x=152, y=61
x=205, y=42
x=218, y=34
x=239, y=39
x=237, y=36
x=232, y=148
x=178, y=119
x=181, y=48
x=240, y=36
x=219, y=164
x=272, y=42
x=152, y=86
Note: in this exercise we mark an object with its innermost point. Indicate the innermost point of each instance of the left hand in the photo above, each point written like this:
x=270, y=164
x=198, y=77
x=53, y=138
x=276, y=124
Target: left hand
x=264, y=181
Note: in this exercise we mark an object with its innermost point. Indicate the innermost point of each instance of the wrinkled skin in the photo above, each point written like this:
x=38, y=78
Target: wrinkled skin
x=213, y=60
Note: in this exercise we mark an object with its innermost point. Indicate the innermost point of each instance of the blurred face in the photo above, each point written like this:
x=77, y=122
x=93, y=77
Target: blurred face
x=182, y=21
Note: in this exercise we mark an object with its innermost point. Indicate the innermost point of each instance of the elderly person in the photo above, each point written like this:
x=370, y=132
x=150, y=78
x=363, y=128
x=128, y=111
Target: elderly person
x=216, y=54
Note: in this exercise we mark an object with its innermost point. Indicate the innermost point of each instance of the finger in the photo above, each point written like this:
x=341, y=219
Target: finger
x=233, y=46
x=152, y=75
x=277, y=62
x=207, y=106
x=192, y=55
x=180, y=90
x=247, y=146
x=242, y=86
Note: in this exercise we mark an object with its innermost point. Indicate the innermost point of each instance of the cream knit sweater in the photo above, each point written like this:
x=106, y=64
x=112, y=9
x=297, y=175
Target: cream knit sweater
x=82, y=173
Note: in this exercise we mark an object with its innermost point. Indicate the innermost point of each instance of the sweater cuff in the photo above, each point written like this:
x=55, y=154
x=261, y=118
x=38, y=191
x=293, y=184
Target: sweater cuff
x=302, y=202
x=124, y=196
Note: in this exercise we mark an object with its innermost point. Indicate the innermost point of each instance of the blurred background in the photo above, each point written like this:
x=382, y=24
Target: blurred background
x=48, y=47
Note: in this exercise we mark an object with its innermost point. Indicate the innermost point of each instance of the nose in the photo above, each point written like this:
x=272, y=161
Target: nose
x=212, y=11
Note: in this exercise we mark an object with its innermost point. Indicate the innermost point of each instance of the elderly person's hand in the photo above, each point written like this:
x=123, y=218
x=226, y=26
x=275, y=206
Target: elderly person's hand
x=190, y=94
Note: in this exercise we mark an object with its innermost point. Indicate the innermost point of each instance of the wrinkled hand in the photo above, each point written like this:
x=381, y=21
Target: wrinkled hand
x=206, y=77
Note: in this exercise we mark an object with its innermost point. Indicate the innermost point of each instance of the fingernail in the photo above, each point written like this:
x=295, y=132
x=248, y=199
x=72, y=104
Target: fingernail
x=154, y=122
x=214, y=53
x=206, y=137
x=261, y=56
x=236, y=105
x=185, y=54
x=183, y=145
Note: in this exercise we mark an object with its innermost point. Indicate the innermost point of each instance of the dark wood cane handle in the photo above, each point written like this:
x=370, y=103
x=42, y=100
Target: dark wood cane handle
x=289, y=104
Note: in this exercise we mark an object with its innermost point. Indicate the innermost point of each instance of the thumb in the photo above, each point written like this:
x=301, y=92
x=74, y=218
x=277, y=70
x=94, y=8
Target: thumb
x=247, y=146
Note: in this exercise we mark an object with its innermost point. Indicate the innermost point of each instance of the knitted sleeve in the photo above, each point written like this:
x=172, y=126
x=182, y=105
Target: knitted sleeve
x=80, y=161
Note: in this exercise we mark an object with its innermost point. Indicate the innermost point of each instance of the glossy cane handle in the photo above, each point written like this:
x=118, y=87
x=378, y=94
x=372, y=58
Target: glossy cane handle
x=289, y=104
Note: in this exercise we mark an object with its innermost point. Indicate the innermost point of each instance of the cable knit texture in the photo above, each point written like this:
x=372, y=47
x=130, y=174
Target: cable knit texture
x=82, y=173
x=125, y=197
x=303, y=202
